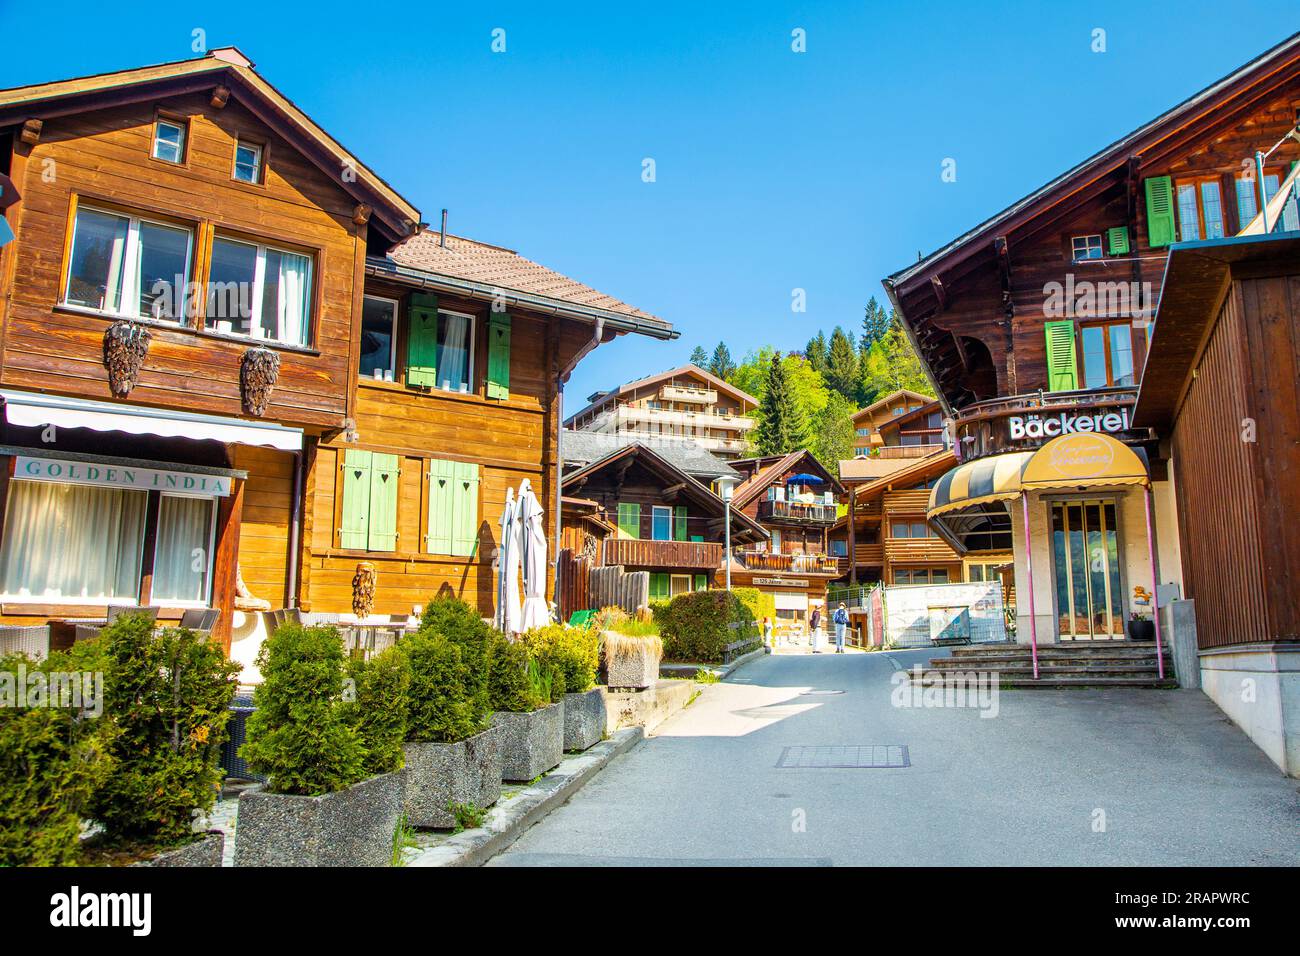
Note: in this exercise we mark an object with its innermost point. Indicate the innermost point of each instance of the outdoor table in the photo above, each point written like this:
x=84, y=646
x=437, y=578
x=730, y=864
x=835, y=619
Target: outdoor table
x=63, y=631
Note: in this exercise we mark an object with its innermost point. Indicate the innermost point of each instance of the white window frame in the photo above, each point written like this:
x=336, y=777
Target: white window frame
x=1087, y=246
x=392, y=338
x=471, y=334
x=674, y=578
x=654, y=514
x=259, y=289
x=260, y=152
x=130, y=267
x=182, y=140
x=211, y=552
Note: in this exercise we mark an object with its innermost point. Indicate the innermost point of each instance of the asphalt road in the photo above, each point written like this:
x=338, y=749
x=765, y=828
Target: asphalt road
x=1095, y=778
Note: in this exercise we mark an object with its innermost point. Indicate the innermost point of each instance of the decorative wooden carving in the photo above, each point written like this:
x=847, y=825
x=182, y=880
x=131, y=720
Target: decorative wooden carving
x=219, y=97
x=31, y=134
x=363, y=589
x=246, y=600
x=126, y=344
x=258, y=373
x=361, y=214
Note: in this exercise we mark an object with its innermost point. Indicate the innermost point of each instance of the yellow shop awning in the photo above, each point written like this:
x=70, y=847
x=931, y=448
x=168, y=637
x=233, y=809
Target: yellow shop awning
x=1078, y=460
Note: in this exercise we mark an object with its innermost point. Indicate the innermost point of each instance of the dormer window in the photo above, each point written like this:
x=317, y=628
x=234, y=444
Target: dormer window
x=1085, y=247
x=248, y=162
x=169, y=141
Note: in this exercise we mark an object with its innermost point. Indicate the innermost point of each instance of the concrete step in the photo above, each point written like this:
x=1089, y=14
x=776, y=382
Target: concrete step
x=1027, y=667
x=960, y=663
x=1116, y=649
x=1047, y=682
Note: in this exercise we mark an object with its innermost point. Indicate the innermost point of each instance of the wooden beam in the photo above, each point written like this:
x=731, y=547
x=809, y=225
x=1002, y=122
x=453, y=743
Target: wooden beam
x=940, y=293
x=225, y=563
x=31, y=134
x=361, y=214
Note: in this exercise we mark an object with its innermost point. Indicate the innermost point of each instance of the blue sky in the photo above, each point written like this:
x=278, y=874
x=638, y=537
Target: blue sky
x=775, y=170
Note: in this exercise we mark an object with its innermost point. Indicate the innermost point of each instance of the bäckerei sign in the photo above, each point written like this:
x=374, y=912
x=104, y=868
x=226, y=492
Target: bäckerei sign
x=121, y=476
x=1066, y=423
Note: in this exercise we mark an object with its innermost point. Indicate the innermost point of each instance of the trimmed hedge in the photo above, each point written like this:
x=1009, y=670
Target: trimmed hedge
x=455, y=620
x=443, y=707
x=513, y=683
x=696, y=627
x=760, y=605
x=380, y=708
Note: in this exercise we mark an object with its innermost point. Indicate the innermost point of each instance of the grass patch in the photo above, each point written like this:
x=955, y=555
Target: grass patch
x=403, y=838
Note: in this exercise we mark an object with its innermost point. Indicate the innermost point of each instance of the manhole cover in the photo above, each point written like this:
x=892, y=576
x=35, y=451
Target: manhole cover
x=863, y=757
x=820, y=693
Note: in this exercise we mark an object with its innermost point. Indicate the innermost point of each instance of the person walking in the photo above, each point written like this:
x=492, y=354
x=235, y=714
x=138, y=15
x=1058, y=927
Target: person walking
x=841, y=622
x=767, y=632
x=815, y=626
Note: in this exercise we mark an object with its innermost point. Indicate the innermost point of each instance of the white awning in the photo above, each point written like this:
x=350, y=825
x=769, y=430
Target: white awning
x=34, y=410
x=785, y=601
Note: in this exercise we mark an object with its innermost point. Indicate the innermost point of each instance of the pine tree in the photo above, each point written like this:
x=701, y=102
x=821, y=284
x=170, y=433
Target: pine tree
x=842, y=365
x=815, y=352
x=721, y=365
x=875, y=323
x=699, y=357
x=781, y=427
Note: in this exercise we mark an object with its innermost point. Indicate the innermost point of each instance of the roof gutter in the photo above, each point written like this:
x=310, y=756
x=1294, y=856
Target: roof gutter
x=387, y=269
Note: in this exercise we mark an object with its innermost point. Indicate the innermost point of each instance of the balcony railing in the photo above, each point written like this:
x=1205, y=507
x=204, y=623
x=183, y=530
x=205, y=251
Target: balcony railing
x=636, y=553
x=912, y=550
x=797, y=512
x=788, y=563
x=684, y=393
x=909, y=451
x=667, y=416
x=913, y=501
x=1025, y=422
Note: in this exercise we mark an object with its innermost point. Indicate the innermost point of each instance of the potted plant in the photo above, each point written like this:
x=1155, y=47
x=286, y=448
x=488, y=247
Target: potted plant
x=575, y=652
x=1141, y=627
x=528, y=697
x=167, y=694
x=320, y=805
x=453, y=753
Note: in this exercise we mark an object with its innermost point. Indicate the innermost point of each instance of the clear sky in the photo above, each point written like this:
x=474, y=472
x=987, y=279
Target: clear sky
x=774, y=170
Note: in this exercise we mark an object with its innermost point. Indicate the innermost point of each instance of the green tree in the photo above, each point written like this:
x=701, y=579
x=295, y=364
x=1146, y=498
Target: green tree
x=782, y=426
x=875, y=323
x=832, y=434
x=892, y=364
x=815, y=352
x=699, y=357
x=721, y=365
x=842, y=365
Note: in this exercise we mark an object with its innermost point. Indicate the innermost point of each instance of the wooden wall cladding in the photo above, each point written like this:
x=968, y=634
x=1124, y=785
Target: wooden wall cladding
x=105, y=156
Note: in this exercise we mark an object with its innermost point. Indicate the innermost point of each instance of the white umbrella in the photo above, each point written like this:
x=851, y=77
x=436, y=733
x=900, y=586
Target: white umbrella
x=507, y=616
x=533, y=550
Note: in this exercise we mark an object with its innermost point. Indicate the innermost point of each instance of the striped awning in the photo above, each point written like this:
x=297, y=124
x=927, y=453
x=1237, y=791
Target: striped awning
x=1080, y=460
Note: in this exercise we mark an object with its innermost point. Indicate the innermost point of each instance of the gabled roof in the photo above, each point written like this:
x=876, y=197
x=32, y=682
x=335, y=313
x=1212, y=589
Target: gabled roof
x=770, y=468
x=890, y=399
x=489, y=267
x=671, y=475
x=856, y=470
x=1103, y=161
x=225, y=67
x=600, y=398
x=581, y=448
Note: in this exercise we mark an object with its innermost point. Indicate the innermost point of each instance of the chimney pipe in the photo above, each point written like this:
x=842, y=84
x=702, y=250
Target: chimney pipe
x=442, y=237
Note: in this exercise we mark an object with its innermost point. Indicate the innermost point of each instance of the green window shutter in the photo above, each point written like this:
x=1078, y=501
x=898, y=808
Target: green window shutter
x=701, y=582
x=354, y=525
x=679, y=523
x=629, y=519
x=1061, y=374
x=464, y=508
x=382, y=533
x=422, y=341
x=442, y=481
x=498, y=371
x=660, y=586
x=1160, y=211
x=1117, y=240
x=697, y=537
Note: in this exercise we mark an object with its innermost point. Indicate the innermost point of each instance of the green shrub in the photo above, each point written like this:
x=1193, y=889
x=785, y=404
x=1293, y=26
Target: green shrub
x=461, y=624
x=442, y=710
x=510, y=686
x=169, y=693
x=298, y=736
x=697, y=626
x=52, y=760
x=574, y=651
x=761, y=605
x=379, y=711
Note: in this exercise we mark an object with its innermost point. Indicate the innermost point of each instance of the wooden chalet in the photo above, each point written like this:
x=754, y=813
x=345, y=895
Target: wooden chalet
x=1034, y=329
x=638, y=507
x=902, y=424
x=234, y=364
x=795, y=500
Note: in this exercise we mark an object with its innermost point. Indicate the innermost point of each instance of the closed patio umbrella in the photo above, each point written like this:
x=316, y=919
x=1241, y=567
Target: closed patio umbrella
x=533, y=552
x=508, y=571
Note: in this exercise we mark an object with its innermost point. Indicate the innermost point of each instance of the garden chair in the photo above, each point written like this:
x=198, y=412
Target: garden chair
x=201, y=620
x=88, y=632
x=32, y=641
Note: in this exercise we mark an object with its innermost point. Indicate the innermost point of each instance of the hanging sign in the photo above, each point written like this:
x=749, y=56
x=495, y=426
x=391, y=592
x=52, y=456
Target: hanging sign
x=76, y=472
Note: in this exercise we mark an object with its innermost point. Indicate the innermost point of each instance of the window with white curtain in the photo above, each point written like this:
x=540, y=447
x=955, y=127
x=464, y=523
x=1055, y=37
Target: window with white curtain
x=259, y=291
x=182, y=562
x=67, y=543
x=455, y=350
x=128, y=266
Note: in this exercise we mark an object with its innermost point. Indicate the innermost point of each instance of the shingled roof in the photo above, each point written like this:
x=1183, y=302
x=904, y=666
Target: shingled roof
x=582, y=448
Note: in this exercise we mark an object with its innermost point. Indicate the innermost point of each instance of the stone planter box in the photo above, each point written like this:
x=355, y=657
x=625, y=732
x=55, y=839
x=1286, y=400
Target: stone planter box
x=203, y=852
x=531, y=743
x=584, y=719
x=638, y=671
x=353, y=827
x=438, y=775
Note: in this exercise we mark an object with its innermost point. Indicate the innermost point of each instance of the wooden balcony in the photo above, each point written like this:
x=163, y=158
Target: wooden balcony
x=913, y=502
x=686, y=393
x=635, y=553
x=790, y=512
x=985, y=428
x=919, y=550
x=865, y=556
x=909, y=451
x=788, y=563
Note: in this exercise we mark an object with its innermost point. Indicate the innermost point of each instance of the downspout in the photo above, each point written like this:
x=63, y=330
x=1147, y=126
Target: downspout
x=295, y=529
x=597, y=335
